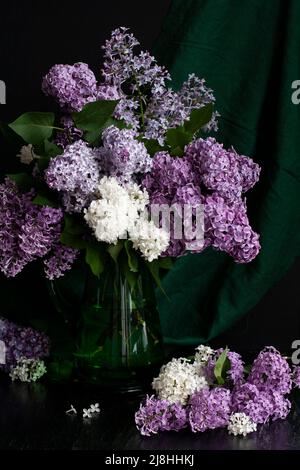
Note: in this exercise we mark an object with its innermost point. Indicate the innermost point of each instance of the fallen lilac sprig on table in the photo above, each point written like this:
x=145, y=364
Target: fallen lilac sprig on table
x=214, y=391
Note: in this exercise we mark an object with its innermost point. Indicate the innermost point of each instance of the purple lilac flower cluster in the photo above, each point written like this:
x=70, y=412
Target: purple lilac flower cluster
x=216, y=178
x=163, y=108
x=27, y=231
x=22, y=342
x=159, y=415
x=235, y=374
x=73, y=86
x=222, y=171
x=61, y=260
x=76, y=174
x=122, y=155
x=149, y=106
x=254, y=399
x=227, y=228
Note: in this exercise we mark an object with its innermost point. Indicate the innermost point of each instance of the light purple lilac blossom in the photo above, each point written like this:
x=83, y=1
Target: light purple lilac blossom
x=75, y=173
x=270, y=371
x=27, y=231
x=209, y=409
x=169, y=109
x=296, y=376
x=73, y=86
x=260, y=406
x=122, y=155
x=178, y=180
x=160, y=107
x=227, y=228
x=223, y=171
x=158, y=415
x=22, y=342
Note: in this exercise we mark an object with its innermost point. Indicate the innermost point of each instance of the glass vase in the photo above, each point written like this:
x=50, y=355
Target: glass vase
x=118, y=342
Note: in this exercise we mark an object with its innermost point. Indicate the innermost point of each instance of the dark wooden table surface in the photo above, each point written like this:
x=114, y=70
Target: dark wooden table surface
x=32, y=417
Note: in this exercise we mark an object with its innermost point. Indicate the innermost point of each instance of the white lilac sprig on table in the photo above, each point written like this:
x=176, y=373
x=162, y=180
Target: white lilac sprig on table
x=24, y=350
x=116, y=147
x=215, y=390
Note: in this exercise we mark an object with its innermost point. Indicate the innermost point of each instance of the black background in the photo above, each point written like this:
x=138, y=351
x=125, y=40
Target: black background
x=34, y=35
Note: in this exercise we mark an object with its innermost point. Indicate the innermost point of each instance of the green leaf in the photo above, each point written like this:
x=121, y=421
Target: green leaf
x=114, y=250
x=92, y=137
x=153, y=266
x=60, y=369
x=133, y=260
x=166, y=263
x=93, y=117
x=221, y=367
x=72, y=225
x=24, y=181
x=198, y=118
x=74, y=241
x=119, y=123
x=177, y=139
x=95, y=257
x=51, y=149
x=43, y=200
x=152, y=146
x=34, y=127
x=72, y=233
x=177, y=152
x=10, y=136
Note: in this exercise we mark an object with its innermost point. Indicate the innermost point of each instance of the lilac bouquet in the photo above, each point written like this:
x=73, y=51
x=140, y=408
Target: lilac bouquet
x=118, y=148
x=215, y=390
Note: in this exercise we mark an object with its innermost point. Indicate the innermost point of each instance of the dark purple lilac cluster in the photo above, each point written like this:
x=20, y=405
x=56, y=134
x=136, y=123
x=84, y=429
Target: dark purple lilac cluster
x=21, y=342
x=69, y=134
x=27, y=231
x=240, y=404
x=61, y=260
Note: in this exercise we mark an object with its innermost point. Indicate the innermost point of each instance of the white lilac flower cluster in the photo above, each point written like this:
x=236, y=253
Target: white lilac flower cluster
x=27, y=154
x=28, y=370
x=89, y=412
x=178, y=380
x=215, y=391
x=240, y=424
x=120, y=213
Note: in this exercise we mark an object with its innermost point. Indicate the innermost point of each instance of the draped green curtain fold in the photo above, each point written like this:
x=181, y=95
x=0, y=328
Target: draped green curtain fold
x=248, y=51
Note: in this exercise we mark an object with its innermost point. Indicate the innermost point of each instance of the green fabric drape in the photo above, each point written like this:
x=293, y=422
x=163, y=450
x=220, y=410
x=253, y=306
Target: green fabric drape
x=248, y=51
